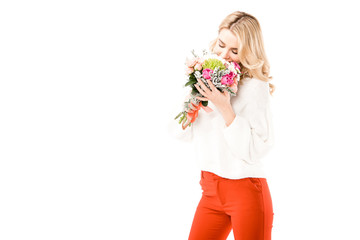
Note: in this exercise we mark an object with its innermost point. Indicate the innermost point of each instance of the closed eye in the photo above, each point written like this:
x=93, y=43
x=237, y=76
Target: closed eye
x=224, y=46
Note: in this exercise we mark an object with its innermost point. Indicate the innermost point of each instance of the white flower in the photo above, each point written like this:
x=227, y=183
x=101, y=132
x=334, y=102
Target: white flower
x=232, y=67
x=197, y=74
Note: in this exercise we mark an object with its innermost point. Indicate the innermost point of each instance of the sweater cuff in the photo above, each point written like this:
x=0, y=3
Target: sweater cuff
x=236, y=123
x=175, y=130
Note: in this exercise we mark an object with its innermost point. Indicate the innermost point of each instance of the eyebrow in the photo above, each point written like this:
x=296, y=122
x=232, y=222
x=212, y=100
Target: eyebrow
x=225, y=44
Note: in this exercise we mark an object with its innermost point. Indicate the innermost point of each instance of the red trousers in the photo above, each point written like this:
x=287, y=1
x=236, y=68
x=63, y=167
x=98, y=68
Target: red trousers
x=243, y=205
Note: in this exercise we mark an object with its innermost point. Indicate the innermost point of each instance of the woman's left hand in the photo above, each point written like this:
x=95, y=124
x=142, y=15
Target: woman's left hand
x=220, y=100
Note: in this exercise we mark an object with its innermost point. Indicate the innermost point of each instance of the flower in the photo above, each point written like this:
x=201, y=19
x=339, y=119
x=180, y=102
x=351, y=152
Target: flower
x=228, y=79
x=213, y=62
x=232, y=68
x=189, y=70
x=198, y=66
x=206, y=73
x=232, y=75
x=191, y=62
x=236, y=65
x=210, y=67
x=234, y=87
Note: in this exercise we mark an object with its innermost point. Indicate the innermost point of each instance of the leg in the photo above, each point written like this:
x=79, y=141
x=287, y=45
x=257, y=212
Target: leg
x=255, y=221
x=248, y=202
x=209, y=223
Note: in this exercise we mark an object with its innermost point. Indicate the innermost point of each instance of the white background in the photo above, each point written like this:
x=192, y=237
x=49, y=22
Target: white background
x=85, y=94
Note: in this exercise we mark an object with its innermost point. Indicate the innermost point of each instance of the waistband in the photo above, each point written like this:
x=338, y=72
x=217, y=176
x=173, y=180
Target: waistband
x=213, y=176
x=210, y=175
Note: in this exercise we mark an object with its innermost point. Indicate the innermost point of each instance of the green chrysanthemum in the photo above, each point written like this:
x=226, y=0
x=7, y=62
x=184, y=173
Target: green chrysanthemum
x=213, y=63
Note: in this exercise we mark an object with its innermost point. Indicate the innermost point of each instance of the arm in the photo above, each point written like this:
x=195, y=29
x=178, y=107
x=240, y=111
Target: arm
x=250, y=134
x=228, y=114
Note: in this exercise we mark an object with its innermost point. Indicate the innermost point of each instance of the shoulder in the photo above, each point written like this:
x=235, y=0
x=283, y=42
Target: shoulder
x=251, y=95
x=254, y=88
x=255, y=83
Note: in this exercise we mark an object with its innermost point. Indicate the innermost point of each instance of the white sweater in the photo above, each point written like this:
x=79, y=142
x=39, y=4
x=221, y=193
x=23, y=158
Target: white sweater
x=235, y=151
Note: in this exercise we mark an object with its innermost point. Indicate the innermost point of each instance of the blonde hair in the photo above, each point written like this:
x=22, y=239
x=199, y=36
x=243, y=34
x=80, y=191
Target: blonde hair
x=253, y=60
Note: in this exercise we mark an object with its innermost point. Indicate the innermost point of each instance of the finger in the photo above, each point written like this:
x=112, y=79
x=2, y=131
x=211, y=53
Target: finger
x=203, y=86
x=212, y=87
x=202, y=99
x=200, y=90
x=228, y=94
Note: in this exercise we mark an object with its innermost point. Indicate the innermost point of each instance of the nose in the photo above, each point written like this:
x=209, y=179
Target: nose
x=224, y=55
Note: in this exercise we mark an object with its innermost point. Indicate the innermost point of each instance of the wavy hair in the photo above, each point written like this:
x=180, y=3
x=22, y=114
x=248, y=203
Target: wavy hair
x=253, y=60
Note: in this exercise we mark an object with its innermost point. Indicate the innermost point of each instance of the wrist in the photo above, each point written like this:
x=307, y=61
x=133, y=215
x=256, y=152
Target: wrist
x=228, y=114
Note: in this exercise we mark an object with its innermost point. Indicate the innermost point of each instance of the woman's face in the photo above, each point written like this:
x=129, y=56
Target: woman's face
x=227, y=46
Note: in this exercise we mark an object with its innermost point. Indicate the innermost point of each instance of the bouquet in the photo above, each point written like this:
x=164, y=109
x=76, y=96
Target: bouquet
x=223, y=74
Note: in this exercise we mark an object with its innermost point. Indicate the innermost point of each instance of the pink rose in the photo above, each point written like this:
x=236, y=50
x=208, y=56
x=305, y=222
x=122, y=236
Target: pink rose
x=232, y=75
x=189, y=70
x=227, y=80
x=234, y=87
x=206, y=73
x=198, y=67
x=236, y=65
x=191, y=62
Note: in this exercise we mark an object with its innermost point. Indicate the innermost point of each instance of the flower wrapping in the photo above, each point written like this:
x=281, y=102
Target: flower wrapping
x=223, y=74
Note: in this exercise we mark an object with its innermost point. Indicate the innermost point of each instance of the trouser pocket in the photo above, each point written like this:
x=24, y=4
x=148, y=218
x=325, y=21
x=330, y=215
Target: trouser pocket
x=255, y=183
x=208, y=187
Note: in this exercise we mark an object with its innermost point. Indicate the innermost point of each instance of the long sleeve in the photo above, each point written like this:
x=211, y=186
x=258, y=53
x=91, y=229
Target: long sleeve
x=250, y=136
x=176, y=131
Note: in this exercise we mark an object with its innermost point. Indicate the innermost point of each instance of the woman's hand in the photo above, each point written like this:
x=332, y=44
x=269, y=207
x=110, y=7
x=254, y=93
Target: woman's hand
x=220, y=100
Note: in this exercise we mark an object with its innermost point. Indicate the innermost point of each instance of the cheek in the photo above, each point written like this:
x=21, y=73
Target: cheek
x=216, y=50
x=235, y=59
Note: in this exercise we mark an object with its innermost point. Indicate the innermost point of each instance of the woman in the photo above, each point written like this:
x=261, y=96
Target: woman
x=232, y=140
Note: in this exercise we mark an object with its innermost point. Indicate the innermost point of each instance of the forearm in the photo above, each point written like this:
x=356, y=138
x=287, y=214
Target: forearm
x=228, y=114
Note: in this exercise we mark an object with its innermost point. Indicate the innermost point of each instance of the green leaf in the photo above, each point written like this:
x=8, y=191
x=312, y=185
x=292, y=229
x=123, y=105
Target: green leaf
x=182, y=118
x=178, y=115
x=192, y=77
x=194, y=91
x=191, y=82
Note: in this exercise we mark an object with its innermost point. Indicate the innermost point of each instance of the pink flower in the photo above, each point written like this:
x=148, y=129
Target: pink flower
x=189, y=70
x=236, y=65
x=191, y=62
x=234, y=87
x=227, y=79
x=206, y=73
x=198, y=67
x=232, y=75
